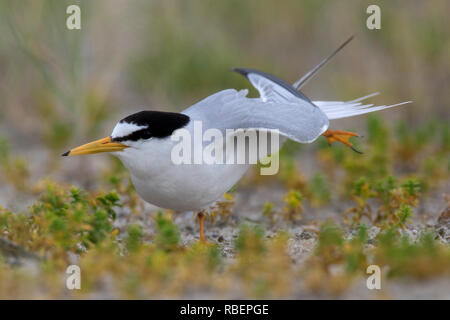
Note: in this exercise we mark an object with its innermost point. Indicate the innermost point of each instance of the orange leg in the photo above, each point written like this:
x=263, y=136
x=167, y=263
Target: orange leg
x=340, y=136
x=201, y=219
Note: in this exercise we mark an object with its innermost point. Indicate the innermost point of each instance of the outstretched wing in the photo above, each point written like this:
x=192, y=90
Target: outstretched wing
x=276, y=90
x=230, y=109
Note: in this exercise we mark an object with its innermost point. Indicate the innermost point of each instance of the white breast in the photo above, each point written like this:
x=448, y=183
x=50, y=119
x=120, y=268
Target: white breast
x=179, y=187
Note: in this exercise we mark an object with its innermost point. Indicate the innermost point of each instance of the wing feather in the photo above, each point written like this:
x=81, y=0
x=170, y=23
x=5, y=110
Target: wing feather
x=231, y=109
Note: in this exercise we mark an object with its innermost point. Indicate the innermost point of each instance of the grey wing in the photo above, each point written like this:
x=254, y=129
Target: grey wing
x=271, y=88
x=298, y=119
x=346, y=109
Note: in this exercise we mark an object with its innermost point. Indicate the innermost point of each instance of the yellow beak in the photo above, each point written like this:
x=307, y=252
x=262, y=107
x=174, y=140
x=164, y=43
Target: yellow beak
x=102, y=145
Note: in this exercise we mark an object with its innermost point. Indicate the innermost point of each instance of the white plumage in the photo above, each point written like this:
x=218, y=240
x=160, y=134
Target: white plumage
x=341, y=109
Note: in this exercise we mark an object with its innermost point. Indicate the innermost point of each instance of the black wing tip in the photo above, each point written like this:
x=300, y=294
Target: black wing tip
x=65, y=154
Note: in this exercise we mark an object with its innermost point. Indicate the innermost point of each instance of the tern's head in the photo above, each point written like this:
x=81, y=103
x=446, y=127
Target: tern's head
x=134, y=132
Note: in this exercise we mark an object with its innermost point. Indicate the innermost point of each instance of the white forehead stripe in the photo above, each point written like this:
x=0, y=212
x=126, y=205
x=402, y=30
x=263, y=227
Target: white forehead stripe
x=122, y=129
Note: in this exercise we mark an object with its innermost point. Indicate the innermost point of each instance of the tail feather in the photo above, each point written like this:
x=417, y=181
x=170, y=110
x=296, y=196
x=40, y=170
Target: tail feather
x=342, y=109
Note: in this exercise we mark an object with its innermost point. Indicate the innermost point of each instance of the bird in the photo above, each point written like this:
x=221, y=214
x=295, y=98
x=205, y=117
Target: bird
x=144, y=141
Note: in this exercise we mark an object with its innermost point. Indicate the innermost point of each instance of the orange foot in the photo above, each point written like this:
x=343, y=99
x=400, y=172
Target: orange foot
x=340, y=136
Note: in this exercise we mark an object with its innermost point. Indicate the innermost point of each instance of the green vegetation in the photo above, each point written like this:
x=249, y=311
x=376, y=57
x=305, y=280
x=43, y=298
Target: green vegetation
x=313, y=228
x=62, y=221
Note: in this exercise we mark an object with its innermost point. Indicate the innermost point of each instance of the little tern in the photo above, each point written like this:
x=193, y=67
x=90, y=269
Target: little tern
x=144, y=141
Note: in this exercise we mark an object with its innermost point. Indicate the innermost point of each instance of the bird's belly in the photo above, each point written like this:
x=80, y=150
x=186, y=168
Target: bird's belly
x=188, y=187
